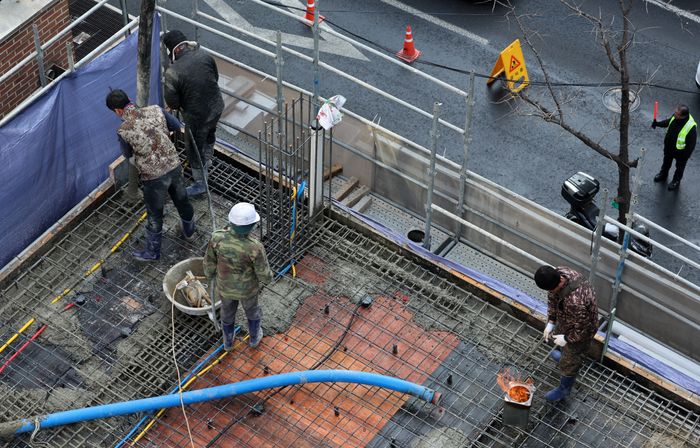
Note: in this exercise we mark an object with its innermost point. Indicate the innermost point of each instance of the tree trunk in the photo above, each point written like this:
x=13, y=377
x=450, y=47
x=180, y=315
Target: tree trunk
x=143, y=81
x=143, y=61
x=623, y=186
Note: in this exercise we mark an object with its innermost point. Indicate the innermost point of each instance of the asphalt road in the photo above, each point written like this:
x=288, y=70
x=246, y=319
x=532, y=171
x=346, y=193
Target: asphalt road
x=518, y=151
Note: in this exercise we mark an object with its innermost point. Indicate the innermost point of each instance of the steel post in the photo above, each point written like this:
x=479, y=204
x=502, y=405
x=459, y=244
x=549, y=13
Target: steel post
x=316, y=172
x=469, y=99
x=623, y=253
x=279, y=62
x=434, y=133
x=39, y=56
x=195, y=13
x=125, y=16
x=316, y=59
x=69, y=55
x=597, y=235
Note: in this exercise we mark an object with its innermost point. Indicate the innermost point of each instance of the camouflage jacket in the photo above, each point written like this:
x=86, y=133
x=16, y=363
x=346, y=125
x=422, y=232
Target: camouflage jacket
x=573, y=309
x=146, y=134
x=239, y=264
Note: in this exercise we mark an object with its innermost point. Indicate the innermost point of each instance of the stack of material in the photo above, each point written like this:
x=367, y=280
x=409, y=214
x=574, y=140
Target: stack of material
x=192, y=291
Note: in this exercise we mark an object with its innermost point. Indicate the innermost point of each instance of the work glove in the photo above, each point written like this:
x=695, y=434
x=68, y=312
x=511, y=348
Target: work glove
x=559, y=340
x=653, y=124
x=547, y=334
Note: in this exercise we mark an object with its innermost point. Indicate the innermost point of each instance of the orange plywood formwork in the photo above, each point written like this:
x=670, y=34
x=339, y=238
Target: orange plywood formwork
x=317, y=414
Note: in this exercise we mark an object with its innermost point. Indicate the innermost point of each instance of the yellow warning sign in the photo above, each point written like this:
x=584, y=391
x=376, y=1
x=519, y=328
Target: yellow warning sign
x=512, y=59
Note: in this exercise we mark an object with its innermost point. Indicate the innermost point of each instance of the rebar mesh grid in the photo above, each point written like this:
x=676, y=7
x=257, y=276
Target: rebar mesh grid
x=116, y=345
x=419, y=327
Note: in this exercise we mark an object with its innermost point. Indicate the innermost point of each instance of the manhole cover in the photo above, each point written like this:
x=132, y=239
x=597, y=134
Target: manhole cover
x=613, y=97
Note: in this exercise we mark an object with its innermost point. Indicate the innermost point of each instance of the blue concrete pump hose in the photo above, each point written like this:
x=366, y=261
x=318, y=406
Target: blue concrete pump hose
x=216, y=393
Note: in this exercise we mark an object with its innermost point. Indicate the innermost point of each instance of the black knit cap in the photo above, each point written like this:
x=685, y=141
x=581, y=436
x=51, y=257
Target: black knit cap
x=547, y=277
x=172, y=38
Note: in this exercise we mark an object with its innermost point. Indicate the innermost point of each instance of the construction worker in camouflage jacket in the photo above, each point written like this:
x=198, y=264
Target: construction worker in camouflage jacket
x=237, y=262
x=572, y=314
x=144, y=137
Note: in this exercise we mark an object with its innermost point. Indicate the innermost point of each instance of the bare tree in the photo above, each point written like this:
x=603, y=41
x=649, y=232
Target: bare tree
x=616, y=44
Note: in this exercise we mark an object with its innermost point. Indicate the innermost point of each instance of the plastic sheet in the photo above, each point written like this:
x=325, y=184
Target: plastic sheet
x=649, y=362
x=624, y=349
x=58, y=149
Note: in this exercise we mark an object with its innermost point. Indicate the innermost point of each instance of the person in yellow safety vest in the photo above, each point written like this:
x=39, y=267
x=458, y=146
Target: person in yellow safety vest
x=679, y=144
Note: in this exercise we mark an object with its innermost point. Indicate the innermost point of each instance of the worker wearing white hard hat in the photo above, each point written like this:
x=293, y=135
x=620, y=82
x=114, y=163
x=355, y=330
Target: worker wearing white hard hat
x=237, y=262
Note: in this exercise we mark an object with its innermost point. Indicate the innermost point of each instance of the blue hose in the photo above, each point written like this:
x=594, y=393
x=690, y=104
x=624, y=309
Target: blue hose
x=217, y=393
x=174, y=389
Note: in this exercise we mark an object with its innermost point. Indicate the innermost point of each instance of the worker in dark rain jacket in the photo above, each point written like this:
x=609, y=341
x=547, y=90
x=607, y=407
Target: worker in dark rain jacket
x=679, y=144
x=144, y=136
x=237, y=262
x=572, y=314
x=191, y=86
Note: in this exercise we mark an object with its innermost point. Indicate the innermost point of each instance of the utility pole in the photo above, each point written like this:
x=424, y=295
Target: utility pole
x=143, y=78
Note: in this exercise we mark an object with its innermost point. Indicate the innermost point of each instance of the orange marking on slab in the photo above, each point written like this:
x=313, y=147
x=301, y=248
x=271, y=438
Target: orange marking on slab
x=310, y=421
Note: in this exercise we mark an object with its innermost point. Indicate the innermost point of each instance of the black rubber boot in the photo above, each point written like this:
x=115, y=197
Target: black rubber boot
x=229, y=331
x=152, y=250
x=188, y=229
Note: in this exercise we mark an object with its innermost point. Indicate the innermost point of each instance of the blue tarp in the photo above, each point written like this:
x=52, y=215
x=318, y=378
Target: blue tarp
x=628, y=351
x=58, y=149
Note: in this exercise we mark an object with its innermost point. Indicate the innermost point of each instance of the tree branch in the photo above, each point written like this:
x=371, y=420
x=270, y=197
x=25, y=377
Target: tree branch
x=602, y=30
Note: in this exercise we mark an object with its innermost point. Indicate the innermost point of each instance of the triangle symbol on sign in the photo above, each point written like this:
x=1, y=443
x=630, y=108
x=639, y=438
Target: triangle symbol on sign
x=514, y=63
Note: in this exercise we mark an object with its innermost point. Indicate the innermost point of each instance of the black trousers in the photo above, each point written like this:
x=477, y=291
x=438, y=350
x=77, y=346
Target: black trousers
x=154, y=195
x=681, y=160
x=204, y=137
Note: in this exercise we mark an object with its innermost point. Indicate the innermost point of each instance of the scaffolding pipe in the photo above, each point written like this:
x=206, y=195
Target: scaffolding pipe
x=355, y=43
x=6, y=119
x=665, y=231
x=623, y=254
x=216, y=393
x=668, y=250
x=49, y=42
x=597, y=235
x=465, y=156
x=435, y=135
x=304, y=57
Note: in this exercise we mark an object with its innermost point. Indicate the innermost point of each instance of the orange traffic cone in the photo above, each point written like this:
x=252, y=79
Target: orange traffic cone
x=409, y=52
x=311, y=10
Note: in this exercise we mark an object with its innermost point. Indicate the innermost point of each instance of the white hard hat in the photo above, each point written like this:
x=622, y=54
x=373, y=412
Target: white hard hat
x=243, y=214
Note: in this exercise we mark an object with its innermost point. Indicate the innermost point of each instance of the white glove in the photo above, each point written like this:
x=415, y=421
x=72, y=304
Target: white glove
x=548, y=331
x=560, y=340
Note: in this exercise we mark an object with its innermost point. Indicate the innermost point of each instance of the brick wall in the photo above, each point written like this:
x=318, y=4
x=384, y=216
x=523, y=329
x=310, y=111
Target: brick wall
x=20, y=43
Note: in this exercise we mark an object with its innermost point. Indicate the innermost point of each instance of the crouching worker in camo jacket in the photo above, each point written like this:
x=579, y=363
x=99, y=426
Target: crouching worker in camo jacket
x=238, y=264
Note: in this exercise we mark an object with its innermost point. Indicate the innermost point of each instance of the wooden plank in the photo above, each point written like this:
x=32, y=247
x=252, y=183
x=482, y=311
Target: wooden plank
x=362, y=204
x=346, y=188
x=334, y=171
x=356, y=195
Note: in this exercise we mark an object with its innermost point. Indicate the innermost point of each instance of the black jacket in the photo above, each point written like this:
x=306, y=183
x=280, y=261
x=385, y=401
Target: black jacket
x=191, y=85
x=672, y=135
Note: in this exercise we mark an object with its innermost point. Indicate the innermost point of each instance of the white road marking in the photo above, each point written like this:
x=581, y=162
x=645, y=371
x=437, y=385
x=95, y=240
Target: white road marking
x=330, y=44
x=676, y=10
x=435, y=21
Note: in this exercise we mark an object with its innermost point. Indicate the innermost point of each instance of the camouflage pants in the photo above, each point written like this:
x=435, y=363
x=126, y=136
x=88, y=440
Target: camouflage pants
x=229, y=308
x=572, y=357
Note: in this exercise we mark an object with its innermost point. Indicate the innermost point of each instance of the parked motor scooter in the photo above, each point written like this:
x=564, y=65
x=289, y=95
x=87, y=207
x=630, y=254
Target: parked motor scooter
x=579, y=191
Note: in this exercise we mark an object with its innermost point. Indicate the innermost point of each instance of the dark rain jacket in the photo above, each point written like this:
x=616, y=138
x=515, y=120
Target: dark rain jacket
x=191, y=85
x=573, y=308
x=674, y=128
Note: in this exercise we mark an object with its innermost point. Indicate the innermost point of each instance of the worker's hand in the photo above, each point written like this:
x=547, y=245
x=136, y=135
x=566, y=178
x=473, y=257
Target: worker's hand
x=559, y=340
x=653, y=124
x=547, y=334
